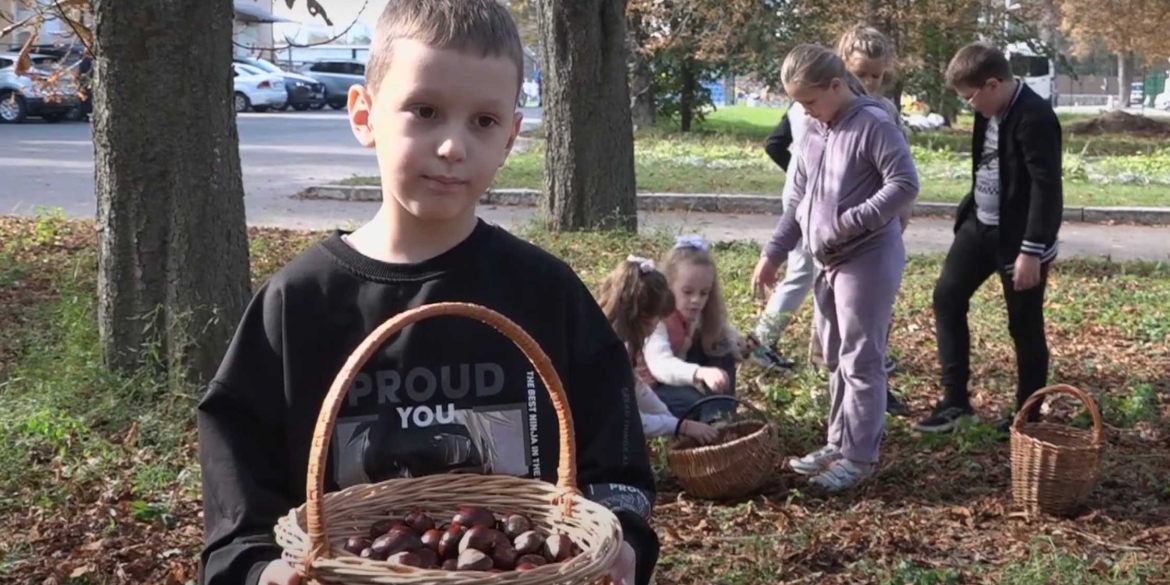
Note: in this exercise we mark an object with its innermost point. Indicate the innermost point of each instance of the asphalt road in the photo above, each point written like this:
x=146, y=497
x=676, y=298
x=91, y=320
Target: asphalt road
x=51, y=166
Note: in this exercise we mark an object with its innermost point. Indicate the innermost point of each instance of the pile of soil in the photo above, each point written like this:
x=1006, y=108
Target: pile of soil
x=1119, y=122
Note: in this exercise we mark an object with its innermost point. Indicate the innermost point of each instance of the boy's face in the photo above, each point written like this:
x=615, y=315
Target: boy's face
x=442, y=122
x=985, y=99
x=870, y=72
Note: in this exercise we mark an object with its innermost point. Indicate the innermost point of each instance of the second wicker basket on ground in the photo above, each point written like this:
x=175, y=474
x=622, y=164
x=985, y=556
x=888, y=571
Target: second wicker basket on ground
x=1054, y=467
x=742, y=459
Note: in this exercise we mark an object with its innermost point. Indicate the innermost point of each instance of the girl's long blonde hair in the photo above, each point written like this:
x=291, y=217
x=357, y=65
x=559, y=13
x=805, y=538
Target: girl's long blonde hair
x=714, y=324
x=633, y=296
x=816, y=66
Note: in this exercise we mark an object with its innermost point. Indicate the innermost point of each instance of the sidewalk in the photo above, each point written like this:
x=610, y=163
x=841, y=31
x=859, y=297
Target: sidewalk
x=927, y=235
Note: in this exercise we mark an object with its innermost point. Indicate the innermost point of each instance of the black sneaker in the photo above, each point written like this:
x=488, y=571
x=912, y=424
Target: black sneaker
x=944, y=419
x=894, y=405
x=891, y=365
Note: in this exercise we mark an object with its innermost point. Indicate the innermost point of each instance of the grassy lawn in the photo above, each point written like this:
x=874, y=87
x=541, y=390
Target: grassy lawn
x=98, y=477
x=725, y=155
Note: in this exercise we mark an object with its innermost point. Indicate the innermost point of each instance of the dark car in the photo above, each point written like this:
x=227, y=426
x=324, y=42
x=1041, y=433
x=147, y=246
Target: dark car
x=337, y=75
x=303, y=92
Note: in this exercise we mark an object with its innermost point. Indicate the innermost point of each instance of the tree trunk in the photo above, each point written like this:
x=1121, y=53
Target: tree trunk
x=1123, y=75
x=589, y=151
x=642, y=105
x=172, y=242
x=686, y=95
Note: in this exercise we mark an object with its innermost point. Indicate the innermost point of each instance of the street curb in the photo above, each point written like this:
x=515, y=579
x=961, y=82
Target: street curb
x=742, y=204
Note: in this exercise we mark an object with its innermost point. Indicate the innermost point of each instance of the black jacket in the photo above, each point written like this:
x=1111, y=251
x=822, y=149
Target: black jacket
x=444, y=395
x=778, y=142
x=1031, y=193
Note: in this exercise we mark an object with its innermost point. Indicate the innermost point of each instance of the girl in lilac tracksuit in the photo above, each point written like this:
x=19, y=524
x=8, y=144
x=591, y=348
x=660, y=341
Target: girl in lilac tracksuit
x=854, y=177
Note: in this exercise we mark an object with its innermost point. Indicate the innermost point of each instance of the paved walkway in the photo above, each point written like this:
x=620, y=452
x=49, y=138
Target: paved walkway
x=926, y=234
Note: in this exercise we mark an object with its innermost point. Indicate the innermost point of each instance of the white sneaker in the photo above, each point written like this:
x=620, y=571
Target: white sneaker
x=842, y=475
x=816, y=461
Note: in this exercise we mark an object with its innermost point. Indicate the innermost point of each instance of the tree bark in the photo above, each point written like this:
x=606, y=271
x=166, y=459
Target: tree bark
x=686, y=95
x=172, y=241
x=1123, y=75
x=589, y=152
x=643, y=108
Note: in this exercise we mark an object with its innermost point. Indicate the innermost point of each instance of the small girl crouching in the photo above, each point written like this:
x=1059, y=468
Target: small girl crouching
x=634, y=298
x=694, y=346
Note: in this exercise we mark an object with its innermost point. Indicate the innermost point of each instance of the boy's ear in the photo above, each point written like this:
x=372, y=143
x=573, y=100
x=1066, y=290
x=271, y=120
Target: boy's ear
x=517, y=118
x=361, y=115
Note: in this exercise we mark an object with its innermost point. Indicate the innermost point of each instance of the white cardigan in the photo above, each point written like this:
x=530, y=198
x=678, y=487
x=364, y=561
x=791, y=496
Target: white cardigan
x=670, y=368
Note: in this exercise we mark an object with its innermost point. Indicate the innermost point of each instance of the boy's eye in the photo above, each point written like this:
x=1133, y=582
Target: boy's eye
x=425, y=112
x=485, y=121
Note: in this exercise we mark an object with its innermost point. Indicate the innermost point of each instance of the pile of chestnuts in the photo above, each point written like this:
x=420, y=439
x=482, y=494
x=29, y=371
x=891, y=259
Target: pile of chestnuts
x=474, y=540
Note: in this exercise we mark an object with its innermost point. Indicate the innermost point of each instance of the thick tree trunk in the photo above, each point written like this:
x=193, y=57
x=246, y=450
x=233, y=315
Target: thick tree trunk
x=1123, y=75
x=643, y=109
x=589, y=154
x=686, y=95
x=172, y=243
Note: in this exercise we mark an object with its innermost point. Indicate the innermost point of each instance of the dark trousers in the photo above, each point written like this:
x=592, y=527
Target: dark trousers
x=679, y=399
x=970, y=262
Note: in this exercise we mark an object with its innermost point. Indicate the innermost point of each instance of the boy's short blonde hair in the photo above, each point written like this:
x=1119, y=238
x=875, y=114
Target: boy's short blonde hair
x=482, y=27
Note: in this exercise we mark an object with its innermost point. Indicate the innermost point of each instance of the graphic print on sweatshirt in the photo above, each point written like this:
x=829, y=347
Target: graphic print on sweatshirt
x=478, y=418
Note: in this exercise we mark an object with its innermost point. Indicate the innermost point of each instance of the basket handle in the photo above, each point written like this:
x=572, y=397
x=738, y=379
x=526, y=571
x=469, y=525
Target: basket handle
x=1090, y=405
x=566, y=469
x=714, y=398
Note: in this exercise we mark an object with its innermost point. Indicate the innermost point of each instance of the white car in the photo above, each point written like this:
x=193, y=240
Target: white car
x=257, y=90
x=1162, y=101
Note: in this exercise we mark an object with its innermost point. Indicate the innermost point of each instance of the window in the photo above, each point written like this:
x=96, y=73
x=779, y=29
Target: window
x=6, y=63
x=1025, y=66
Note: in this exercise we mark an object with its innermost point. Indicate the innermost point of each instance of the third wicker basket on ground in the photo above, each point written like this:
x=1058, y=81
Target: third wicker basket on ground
x=1054, y=467
x=313, y=536
x=738, y=464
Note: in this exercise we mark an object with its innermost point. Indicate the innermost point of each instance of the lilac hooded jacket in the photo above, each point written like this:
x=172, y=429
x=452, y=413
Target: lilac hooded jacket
x=852, y=181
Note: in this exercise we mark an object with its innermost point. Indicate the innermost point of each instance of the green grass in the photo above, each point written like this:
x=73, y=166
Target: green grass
x=79, y=438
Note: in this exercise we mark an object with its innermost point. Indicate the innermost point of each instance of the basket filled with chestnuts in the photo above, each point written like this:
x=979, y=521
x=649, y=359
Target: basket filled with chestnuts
x=450, y=529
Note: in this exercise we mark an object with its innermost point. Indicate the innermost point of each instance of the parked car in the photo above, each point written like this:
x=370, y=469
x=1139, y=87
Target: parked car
x=256, y=90
x=337, y=75
x=35, y=93
x=1162, y=100
x=303, y=92
x=1137, y=93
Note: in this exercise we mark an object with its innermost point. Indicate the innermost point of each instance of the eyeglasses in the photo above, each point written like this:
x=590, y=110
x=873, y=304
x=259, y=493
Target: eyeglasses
x=970, y=101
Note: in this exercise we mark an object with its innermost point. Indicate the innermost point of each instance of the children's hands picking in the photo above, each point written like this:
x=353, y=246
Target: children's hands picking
x=764, y=277
x=1027, y=272
x=715, y=379
x=704, y=433
x=279, y=572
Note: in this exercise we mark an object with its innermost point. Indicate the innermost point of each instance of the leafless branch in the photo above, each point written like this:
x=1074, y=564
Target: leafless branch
x=16, y=25
x=292, y=44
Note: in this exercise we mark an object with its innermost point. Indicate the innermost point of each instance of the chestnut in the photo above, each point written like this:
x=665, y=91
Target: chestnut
x=471, y=516
x=473, y=560
x=419, y=521
x=529, y=542
x=355, y=544
x=449, y=541
x=396, y=541
x=383, y=526
x=406, y=559
x=520, y=568
x=535, y=560
x=481, y=539
x=504, y=555
x=515, y=525
x=428, y=558
x=450, y=565
x=558, y=548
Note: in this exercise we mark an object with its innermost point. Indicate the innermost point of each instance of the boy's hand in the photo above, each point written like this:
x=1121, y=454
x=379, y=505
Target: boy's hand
x=279, y=572
x=764, y=277
x=622, y=571
x=1027, y=272
x=704, y=433
x=715, y=379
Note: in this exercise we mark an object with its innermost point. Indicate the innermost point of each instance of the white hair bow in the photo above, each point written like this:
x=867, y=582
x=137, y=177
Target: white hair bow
x=645, y=265
x=690, y=241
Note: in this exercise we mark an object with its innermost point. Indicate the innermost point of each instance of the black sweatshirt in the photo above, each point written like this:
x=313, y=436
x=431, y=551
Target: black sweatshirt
x=446, y=394
x=778, y=142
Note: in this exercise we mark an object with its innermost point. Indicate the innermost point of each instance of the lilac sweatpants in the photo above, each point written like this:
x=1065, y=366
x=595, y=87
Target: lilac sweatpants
x=854, y=302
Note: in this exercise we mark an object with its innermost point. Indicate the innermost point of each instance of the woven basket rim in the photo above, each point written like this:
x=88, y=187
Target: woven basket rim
x=752, y=437
x=1088, y=446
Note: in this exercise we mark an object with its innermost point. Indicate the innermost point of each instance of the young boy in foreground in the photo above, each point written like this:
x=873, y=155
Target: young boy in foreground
x=1007, y=225
x=447, y=394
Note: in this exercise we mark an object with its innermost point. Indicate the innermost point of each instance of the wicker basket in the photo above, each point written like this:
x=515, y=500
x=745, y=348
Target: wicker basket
x=1054, y=467
x=313, y=535
x=733, y=468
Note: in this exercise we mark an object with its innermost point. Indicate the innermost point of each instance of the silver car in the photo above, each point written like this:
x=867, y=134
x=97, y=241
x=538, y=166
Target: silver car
x=36, y=93
x=337, y=75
